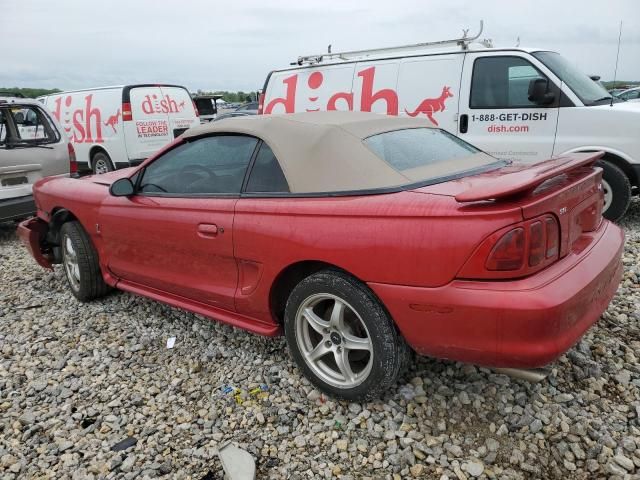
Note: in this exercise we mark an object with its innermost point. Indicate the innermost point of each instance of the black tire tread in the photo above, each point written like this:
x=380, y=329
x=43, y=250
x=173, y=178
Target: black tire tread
x=92, y=284
x=621, y=185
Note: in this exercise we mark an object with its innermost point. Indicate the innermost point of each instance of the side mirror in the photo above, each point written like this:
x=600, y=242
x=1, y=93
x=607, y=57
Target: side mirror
x=538, y=92
x=123, y=187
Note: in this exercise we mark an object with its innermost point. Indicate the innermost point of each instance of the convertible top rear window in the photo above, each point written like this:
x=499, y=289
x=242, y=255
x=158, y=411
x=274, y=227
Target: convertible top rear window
x=422, y=154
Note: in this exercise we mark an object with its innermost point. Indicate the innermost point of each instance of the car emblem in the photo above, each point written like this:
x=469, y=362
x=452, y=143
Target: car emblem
x=563, y=210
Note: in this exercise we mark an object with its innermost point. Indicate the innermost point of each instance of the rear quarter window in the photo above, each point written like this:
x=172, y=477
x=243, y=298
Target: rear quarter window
x=424, y=153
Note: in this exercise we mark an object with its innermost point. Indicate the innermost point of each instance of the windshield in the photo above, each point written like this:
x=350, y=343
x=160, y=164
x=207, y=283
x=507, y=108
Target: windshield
x=588, y=91
x=205, y=106
x=422, y=154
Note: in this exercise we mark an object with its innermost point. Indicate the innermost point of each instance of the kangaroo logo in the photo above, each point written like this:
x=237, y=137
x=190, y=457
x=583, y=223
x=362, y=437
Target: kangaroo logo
x=181, y=105
x=429, y=106
x=112, y=121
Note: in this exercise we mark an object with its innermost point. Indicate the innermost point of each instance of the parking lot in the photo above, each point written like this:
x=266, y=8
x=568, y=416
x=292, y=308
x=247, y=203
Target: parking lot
x=77, y=379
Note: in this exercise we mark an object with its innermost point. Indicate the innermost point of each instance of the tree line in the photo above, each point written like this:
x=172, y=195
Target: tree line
x=29, y=92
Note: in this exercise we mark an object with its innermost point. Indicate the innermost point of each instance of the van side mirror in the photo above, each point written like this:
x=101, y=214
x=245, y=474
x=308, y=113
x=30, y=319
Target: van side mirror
x=123, y=187
x=538, y=92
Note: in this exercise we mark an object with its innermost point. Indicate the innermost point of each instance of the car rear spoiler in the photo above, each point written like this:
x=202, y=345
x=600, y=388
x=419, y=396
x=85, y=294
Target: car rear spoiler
x=518, y=179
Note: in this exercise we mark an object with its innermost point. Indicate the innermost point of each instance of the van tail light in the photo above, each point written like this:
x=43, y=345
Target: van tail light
x=260, y=103
x=508, y=253
x=127, y=116
x=195, y=108
x=73, y=164
x=515, y=251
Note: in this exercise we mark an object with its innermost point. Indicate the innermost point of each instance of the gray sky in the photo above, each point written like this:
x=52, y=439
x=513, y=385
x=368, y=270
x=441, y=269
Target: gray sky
x=232, y=45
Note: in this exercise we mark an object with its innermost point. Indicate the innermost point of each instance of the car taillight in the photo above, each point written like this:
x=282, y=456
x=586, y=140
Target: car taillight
x=508, y=253
x=515, y=251
x=73, y=164
x=127, y=116
x=553, y=237
x=260, y=103
x=195, y=108
x=537, y=244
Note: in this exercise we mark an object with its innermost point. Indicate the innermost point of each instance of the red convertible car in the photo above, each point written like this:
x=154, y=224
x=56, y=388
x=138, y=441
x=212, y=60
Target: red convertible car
x=362, y=237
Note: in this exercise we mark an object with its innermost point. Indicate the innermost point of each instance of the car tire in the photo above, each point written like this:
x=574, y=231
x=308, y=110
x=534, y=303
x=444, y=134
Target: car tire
x=80, y=262
x=617, y=190
x=356, y=353
x=101, y=163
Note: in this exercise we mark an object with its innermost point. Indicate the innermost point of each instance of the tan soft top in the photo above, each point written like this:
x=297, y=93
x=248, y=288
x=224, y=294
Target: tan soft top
x=322, y=151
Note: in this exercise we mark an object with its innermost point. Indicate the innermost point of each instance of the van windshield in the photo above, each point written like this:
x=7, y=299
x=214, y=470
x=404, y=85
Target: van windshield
x=588, y=91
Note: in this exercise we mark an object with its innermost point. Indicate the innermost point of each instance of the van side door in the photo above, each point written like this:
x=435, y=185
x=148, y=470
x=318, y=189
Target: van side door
x=429, y=87
x=509, y=105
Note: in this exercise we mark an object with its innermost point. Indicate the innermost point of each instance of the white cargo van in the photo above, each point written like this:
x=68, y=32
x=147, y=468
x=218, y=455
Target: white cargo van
x=117, y=127
x=515, y=103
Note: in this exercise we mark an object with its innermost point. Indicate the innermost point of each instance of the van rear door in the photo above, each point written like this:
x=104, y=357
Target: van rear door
x=181, y=112
x=149, y=128
x=496, y=113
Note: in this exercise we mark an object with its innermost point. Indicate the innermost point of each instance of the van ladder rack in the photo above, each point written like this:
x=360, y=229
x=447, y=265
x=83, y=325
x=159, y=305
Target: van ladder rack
x=462, y=42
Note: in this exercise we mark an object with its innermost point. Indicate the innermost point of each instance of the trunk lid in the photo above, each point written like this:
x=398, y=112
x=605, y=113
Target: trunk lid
x=568, y=187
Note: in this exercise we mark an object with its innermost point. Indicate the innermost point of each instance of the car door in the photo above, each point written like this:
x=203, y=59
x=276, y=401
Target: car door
x=175, y=234
x=496, y=113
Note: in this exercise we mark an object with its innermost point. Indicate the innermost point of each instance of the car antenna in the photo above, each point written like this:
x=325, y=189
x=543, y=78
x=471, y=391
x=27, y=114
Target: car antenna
x=615, y=71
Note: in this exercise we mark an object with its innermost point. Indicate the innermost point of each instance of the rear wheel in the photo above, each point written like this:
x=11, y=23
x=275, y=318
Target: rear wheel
x=617, y=191
x=80, y=261
x=342, y=337
x=101, y=163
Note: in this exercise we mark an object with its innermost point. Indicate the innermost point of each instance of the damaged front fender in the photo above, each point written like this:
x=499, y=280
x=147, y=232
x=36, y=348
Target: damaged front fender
x=32, y=233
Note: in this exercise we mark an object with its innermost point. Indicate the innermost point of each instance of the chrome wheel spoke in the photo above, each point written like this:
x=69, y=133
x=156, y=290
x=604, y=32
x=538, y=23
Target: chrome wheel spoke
x=352, y=342
x=342, y=361
x=319, y=351
x=317, y=323
x=337, y=315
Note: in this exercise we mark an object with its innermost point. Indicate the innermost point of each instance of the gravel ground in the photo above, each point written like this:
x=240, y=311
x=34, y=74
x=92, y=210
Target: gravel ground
x=77, y=379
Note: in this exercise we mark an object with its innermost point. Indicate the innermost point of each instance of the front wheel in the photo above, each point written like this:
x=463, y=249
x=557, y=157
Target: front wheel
x=617, y=191
x=80, y=261
x=342, y=337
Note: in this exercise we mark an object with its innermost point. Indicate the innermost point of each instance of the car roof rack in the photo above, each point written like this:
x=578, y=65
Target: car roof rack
x=463, y=42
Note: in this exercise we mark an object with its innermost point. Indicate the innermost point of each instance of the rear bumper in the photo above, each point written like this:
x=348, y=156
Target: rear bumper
x=14, y=208
x=522, y=323
x=32, y=233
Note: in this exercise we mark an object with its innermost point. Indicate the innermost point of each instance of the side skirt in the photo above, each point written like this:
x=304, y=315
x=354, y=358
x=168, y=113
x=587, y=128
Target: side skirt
x=224, y=316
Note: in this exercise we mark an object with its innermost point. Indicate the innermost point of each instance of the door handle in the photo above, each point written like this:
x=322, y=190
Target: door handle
x=208, y=229
x=464, y=123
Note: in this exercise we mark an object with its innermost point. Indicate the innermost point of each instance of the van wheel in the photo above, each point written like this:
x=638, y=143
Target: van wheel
x=342, y=338
x=101, y=163
x=80, y=261
x=617, y=191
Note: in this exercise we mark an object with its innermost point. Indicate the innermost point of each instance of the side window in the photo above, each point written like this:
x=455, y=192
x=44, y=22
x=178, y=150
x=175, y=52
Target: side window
x=503, y=82
x=632, y=95
x=266, y=174
x=31, y=125
x=210, y=165
x=3, y=127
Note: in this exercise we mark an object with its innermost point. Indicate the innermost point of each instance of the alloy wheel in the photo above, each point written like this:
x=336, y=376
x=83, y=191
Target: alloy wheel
x=334, y=341
x=71, y=266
